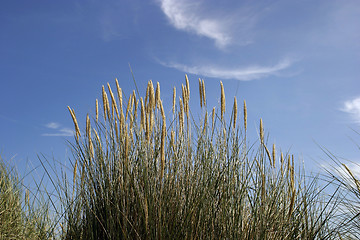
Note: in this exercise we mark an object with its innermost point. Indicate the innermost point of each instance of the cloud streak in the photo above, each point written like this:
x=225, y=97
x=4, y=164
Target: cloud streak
x=60, y=131
x=352, y=107
x=241, y=73
x=182, y=15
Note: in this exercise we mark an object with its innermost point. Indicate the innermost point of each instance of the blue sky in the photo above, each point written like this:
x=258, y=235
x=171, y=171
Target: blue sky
x=296, y=63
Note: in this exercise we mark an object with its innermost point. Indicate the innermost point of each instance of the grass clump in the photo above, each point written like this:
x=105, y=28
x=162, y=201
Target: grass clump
x=142, y=173
x=22, y=214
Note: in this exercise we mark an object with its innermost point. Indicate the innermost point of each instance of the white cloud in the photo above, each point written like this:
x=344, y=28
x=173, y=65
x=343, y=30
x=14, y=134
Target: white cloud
x=52, y=125
x=182, y=15
x=60, y=131
x=352, y=107
x=241, y=73
x=63, y=132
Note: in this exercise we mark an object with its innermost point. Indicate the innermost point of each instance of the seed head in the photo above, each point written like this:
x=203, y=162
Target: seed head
x=200, y=92
x=113, y=102
x=187, y=87
x=151, y=95
x=119, y=91
x=97, y=110
x=203, y=93
x=213, y=117
x=235, y=111
x=173, y=139
x=245, y=116
x=142, y=114
x=174, y=100
x=157, y=94
x=222, y=100
x=273, y=154
x=77, y=130
x=105, y=103
x=261, y=131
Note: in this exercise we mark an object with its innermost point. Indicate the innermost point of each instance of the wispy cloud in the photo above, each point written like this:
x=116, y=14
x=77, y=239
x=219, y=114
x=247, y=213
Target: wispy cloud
x=52, y=125
x=182, y=15
x=352, y=107
x=241, y=73
x=60, y=131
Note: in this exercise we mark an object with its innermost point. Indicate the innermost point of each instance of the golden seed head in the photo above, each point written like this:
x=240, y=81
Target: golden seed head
x=203, y=92
x=245, y=116
x=77, y=129
x=113, y=102
x=261, y=131
x=136, y=109
x=97, y=110
x=187, y=87
x=235, y=111
x=88, y=127
x=222, y=100
x=205, y=121
x=213, y=117
x=157, y=94
x=106, y=104
x=200, y=92
x=151, y=95
x=174, y=100
x=273, y=154
x=142, y=114
x=119, y=91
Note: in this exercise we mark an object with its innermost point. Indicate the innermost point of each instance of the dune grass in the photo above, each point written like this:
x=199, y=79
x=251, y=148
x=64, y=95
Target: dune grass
x=23, y=214
x=139, y=171
x=142, y=173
